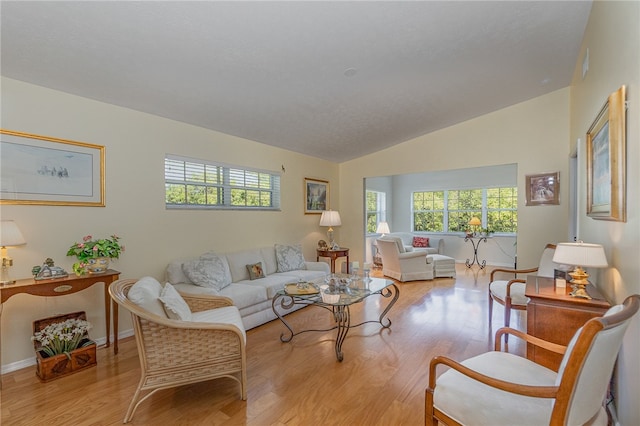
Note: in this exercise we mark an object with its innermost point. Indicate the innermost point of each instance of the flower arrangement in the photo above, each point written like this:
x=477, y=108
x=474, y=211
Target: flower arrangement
x=63, y=337
x=90, y=248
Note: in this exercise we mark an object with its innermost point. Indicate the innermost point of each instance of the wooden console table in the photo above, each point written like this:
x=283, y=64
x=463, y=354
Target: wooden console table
x=69, y=285
x=555, y=316
x=333, y=255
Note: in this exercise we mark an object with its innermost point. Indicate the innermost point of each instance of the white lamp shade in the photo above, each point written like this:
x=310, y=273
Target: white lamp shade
x=383, y=228
x=580, y=254
x=330, y=218
x=10, y=234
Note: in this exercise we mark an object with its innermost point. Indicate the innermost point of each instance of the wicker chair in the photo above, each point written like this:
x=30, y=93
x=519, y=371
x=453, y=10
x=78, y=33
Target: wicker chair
x=499, y=388
x=175, y=353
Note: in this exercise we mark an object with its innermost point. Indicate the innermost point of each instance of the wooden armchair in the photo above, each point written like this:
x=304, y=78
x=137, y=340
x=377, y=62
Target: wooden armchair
x=174, y=353
x=498, y=388
x=510, y=293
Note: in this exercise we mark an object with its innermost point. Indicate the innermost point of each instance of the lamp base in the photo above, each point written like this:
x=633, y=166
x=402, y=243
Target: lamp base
x=5, y=278
x=580, y=291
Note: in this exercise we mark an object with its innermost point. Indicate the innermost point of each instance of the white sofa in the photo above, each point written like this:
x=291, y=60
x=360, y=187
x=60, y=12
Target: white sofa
x=436, y=245
x=252, y=296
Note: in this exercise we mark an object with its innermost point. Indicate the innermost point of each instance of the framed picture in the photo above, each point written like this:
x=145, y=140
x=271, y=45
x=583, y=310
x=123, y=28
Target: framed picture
x=543, y=189
x=50, y=171
x=316, y=196
x=606, y=161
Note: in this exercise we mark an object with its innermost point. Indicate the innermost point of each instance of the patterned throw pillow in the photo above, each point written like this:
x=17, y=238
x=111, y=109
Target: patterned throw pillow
x=289, y=258
x=174, y=305
x=420, y=241
x=255, y=271
x=209, y=270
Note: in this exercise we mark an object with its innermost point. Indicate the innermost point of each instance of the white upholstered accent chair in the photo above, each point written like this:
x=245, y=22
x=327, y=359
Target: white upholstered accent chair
x=499, y=388
x=175, y=353
x=401, y=265
x=510, y=293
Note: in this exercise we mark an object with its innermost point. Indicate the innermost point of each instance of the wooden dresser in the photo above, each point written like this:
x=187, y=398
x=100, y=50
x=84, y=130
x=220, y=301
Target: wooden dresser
x=555, y=316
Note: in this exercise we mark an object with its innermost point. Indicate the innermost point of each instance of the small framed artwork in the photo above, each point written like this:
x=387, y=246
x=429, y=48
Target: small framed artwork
x=316, y=196
x=543, y=189
x=606, y=161
x=50, y=171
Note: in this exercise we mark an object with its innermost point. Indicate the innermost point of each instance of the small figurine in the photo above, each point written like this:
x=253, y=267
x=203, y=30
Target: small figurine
x=48, y=271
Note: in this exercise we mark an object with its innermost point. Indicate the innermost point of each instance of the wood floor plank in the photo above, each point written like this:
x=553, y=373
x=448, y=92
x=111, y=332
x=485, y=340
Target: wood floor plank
x=380, y=382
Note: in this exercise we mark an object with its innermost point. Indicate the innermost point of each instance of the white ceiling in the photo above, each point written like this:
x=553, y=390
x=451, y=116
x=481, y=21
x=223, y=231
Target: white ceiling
x=334, y=80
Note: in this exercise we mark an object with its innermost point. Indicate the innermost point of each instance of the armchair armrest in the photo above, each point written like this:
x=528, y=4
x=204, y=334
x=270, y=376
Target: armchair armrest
x=512, y=271
x=204, y=302
x=510, y=283
x=544, y=344
x=527, y=390
x=411, y=255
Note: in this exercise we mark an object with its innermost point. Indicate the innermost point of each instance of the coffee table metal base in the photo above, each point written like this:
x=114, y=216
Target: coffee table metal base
x=341, y=315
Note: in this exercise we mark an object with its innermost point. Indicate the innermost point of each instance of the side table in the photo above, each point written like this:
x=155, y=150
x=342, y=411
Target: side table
x=554, y=315
x=475, y=242
x=333, y=255
x=69, y=285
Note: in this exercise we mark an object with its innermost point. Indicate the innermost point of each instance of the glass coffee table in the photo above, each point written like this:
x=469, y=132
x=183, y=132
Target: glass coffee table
x=335, y=297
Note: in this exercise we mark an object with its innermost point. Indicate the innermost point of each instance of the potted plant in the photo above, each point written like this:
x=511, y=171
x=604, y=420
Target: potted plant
x=62, y=345
x=94, y=255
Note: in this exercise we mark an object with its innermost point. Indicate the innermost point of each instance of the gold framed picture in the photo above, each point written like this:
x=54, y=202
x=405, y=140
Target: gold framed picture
x=606, y=161
x=543, y=189
x=316, y=196
x=44, y=170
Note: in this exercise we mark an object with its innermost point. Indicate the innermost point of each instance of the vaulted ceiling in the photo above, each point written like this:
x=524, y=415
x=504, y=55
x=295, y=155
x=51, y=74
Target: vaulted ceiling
x=333, y=80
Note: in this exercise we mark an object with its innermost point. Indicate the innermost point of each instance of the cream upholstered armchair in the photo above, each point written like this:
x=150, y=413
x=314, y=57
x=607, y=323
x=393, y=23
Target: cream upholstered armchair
x=498, y=388
x=401, y=265
x=173, y=352
x=510, y=293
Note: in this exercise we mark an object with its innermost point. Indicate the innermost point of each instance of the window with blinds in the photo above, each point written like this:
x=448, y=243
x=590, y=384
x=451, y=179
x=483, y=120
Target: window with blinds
x=192, y=183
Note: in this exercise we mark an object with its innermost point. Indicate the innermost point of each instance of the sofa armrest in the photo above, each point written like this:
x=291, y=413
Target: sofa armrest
x=437, y=243
x=317, y=266
x=198, y=303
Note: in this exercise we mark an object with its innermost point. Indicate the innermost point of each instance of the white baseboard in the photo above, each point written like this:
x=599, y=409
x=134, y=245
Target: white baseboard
x=18, y=365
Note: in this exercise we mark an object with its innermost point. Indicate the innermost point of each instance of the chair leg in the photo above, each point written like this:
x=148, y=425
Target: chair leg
x=507, y=317
x=429, y=419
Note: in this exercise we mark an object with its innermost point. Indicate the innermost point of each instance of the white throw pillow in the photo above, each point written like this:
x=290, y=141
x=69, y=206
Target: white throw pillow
x=145, y=293
x=209, y=270
x=289, y=258
x=174, y=305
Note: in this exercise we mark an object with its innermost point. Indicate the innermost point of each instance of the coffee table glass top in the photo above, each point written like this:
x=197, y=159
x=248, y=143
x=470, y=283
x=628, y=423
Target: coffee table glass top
x=336, y=292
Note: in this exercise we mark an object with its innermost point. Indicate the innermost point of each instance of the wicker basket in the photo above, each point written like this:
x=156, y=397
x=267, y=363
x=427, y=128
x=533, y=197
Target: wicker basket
x=54, y=367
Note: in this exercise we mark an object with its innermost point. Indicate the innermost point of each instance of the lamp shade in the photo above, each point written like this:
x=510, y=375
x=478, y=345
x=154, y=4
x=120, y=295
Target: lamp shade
x=383, y=228
x=475, y=221
x=580, y=254
x=330, y=218
x=10, y=234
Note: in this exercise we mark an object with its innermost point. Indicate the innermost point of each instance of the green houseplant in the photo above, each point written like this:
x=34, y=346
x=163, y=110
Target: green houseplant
x=89, y=250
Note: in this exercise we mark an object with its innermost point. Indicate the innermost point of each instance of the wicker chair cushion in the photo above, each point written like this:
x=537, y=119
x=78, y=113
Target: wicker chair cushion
x=146, y=293
x=289, y=257
x=209, y=270
x=226, y=315
x=174, y=305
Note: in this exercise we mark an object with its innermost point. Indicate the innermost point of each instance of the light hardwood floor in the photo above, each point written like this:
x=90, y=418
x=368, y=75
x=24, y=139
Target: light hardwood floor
x=381, y=381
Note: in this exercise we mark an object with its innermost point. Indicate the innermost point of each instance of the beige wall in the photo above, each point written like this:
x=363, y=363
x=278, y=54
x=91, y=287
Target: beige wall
x=135, y=147
x=613, y=39
x=532, y=134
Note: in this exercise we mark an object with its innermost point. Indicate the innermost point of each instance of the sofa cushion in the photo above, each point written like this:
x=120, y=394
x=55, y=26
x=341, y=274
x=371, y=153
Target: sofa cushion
x=209, y=270
x=289, y=257
x=174, y=305
x=270, y=264
x=421, y=241
x=238, y=262
x=255, y=271
x=146, y=294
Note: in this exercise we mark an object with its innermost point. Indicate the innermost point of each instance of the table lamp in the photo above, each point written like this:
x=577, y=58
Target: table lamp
x=383, y=228
x=10, y=236
x=580, y=254
x=330, y=218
